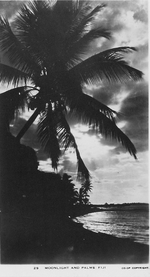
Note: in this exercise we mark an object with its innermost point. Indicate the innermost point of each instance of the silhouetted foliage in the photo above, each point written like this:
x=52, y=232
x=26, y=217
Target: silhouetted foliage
x=46, y=44
x=22, y=184
x=83, y=197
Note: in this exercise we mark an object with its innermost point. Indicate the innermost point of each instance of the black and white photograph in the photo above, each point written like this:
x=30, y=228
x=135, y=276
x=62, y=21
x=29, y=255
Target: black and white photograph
x=74, y=134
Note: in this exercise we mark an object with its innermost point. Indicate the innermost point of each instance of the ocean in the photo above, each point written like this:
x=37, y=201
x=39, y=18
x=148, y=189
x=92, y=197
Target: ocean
x=125, y=222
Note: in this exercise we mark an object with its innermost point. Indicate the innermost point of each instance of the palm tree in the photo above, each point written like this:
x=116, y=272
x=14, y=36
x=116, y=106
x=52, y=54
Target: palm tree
x=46, y=59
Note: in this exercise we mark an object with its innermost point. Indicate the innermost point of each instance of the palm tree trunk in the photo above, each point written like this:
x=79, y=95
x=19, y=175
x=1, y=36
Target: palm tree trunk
x=28, y=124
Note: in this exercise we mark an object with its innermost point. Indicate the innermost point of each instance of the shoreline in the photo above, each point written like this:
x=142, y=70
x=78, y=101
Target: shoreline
x=70, y=243
x=87, y=209
x=92, y=248
x=115, y=236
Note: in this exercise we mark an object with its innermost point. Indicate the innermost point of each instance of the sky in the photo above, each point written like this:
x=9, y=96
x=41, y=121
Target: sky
x=116, y=176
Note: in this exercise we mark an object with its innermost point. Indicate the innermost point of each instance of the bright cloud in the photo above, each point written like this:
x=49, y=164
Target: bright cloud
x=90, y=145
x=118, y=99
x=134, y=33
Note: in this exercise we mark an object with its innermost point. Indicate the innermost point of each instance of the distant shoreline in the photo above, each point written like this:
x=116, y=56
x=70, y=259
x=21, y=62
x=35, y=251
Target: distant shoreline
x=81, y=210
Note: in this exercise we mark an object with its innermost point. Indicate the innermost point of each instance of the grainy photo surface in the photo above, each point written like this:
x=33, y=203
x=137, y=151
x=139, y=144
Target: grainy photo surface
x=74, y=133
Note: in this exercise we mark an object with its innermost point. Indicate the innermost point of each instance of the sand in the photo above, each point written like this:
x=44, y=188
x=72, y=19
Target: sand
x=69, y=243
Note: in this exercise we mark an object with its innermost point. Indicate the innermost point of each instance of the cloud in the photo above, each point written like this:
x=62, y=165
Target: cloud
x=4, y=87
x=135, y=110
x=140, y=60
x=134, y=32
x=110, y=94
x=9, y=8
x=126, y=181
x=134, y=113
x=141, y=15
x=131, y=101
x=127, y=22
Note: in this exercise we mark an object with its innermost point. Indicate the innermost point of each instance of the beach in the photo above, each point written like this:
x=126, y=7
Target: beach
x=69, y=243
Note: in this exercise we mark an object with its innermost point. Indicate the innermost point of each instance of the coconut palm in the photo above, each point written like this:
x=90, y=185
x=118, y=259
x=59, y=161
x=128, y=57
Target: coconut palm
x=46, y=59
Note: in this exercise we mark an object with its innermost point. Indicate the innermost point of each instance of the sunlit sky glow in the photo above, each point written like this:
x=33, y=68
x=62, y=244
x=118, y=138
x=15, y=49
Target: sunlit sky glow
x=116, y=176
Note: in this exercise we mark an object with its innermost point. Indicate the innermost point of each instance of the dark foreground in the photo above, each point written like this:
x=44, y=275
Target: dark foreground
x=35, y=228
x=68, y=243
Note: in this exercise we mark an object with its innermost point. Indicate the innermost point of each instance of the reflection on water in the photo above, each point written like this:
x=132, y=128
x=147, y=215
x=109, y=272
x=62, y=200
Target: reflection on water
x=132, y=224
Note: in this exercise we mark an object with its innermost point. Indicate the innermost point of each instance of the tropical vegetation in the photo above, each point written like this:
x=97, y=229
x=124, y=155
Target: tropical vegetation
x=46, y=60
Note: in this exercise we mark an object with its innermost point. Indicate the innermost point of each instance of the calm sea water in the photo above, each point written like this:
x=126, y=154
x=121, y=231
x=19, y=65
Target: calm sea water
x=128, y=223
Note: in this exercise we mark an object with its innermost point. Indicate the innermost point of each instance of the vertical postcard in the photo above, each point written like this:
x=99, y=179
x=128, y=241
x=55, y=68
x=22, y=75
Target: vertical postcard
x=74, y=195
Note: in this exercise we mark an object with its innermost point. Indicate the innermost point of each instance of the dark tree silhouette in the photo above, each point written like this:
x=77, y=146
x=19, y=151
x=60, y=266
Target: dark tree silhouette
x=83, y=196
x=46, y=54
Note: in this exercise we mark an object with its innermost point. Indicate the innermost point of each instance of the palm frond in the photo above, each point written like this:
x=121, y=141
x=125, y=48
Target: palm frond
x=85, y=17
x=83, y=173
x=38, y=30
x=66, y=11
x=86, y=187
x=79, y=34
x=12, y=76
x=93, y=34
x=87, y=100
x=106, y=66
x=66, y=140
x=89, y=114
x=15, y=50
x=48, y=136
x=37, y=6
x=81, y=47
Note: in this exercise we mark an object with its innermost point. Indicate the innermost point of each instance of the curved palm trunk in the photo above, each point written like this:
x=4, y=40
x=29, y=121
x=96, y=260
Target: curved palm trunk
x=28, y=124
